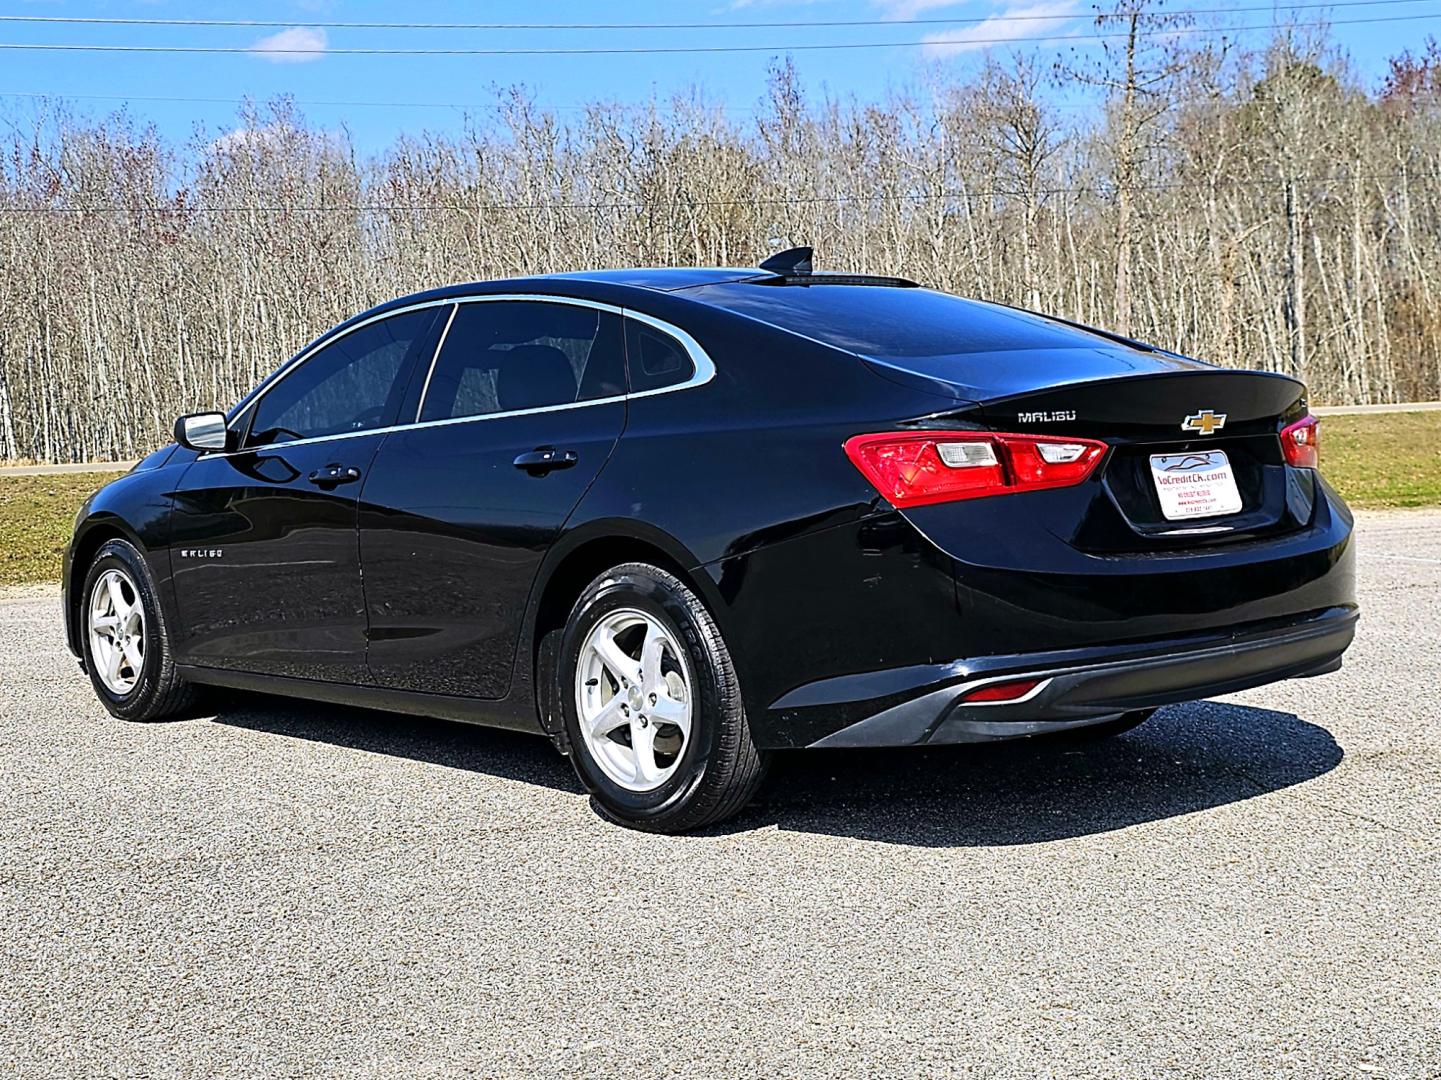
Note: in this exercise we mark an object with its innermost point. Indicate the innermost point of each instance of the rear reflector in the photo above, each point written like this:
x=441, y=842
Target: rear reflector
x=916, y=468
x=1005, y=691
x=1301, y=443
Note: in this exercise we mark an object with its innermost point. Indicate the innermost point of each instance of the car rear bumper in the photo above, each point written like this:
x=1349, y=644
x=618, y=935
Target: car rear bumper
x=1084, y=686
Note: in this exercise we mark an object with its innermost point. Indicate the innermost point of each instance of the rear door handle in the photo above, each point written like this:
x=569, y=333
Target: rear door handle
x=334, y=475
x=545, y=458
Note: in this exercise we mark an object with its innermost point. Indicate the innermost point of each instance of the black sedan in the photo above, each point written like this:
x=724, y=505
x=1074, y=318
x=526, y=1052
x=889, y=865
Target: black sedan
x=676, y=519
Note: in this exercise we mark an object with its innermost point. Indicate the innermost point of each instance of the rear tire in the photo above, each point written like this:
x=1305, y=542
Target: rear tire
x=651, y=705
x=124, y=640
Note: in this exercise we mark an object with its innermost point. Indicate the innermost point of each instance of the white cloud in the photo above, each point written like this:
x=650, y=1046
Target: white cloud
x=281, y=135
x=248, y=138
x=1007, y=25
x=298, y=45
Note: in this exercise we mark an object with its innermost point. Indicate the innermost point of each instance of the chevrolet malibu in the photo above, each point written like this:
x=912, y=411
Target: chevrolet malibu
x=674, y=520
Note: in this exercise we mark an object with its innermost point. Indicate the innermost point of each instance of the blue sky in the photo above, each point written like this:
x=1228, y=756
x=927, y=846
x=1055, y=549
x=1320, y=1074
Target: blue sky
x=450, y=82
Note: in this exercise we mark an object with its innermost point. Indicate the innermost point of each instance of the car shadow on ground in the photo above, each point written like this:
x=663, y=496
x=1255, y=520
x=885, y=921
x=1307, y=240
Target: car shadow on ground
x=509, y=755
x=1186, y=758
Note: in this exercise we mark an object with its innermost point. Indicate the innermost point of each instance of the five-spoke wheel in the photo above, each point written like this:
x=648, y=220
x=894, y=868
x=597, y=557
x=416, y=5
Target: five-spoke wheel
x=651, y=705
x=632, y=689
x=117, y=631
x=123, y=632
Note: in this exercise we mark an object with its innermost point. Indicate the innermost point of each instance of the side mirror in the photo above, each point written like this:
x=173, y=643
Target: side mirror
x=203, y=431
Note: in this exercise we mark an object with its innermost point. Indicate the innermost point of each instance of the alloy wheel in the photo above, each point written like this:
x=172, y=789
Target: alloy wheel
x=117, y=631
x=633, y=697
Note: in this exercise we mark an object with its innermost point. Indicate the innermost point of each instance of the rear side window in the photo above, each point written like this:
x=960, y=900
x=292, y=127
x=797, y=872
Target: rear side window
x=509, y=355
x=353, y=384
x=656, y=359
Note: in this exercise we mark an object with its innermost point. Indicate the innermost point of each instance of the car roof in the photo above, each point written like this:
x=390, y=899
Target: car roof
x=621, y=287
x=665, y=278
x=604, y=285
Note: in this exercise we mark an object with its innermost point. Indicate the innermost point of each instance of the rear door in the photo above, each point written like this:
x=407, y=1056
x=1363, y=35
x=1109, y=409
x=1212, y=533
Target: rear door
x=264, y=552
x=523, y=405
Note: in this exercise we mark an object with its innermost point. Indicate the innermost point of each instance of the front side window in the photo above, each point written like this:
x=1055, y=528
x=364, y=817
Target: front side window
x=350, y=385
x=510, y=355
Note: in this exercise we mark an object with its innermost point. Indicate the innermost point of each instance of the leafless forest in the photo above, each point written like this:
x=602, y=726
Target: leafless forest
x=1260, y=208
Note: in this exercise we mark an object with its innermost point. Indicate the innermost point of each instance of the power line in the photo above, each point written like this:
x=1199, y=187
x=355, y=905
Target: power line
x=87, y=20
x=811, y=200
x=656, y=50
x=240, y=101
x=66, y=94
x=672, y=108
x=462, y=106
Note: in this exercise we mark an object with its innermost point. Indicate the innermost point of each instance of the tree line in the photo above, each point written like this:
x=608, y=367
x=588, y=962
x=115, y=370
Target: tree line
x=1255, y=207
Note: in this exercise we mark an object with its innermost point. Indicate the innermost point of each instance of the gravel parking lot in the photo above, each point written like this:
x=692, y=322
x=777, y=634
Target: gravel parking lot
x=1248, y=886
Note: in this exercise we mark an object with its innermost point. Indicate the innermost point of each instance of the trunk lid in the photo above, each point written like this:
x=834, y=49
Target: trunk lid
x=1187, y=412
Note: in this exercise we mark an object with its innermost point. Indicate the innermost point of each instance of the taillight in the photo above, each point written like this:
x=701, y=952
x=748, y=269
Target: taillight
x=916, y=468
x=1301, y=443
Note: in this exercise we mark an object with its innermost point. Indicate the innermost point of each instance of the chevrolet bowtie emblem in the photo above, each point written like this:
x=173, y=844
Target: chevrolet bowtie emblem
x=1205, y=421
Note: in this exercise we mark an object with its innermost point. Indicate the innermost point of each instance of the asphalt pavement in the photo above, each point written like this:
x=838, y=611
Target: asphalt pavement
x=1244, y=887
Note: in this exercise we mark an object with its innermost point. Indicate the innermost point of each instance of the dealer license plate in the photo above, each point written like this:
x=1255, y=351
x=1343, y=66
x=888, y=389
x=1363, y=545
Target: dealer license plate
x=1195, y=485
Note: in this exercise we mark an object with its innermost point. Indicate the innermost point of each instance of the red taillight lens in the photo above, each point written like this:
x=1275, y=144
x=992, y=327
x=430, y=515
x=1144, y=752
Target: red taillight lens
x=1006, y=691
x=1301, y=443
x=916, y=468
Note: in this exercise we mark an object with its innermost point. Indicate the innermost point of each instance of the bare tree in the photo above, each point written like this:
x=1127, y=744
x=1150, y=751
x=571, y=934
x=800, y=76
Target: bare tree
x=1138, y=76
x=1261, y=209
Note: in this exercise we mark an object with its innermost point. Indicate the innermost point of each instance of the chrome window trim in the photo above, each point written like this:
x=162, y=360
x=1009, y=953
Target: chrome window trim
x=704, y=370
x=434, y=356
x=249, y=403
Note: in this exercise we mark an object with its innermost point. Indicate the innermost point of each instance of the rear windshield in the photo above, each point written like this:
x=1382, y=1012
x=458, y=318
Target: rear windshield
x=896, y=323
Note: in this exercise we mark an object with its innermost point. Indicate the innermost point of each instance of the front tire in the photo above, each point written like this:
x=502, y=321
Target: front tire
x=651, y=704
x=124, y=640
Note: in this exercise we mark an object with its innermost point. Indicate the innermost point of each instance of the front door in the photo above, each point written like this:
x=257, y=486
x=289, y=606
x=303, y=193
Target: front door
x=521, y=411
x=264, y=552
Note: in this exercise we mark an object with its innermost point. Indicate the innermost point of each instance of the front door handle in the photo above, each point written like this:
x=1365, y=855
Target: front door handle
x=545, y=458
x=331, y=476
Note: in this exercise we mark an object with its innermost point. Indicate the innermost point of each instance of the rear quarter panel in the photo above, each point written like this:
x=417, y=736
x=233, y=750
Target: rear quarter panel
x=755, y=455
x=745, y=481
